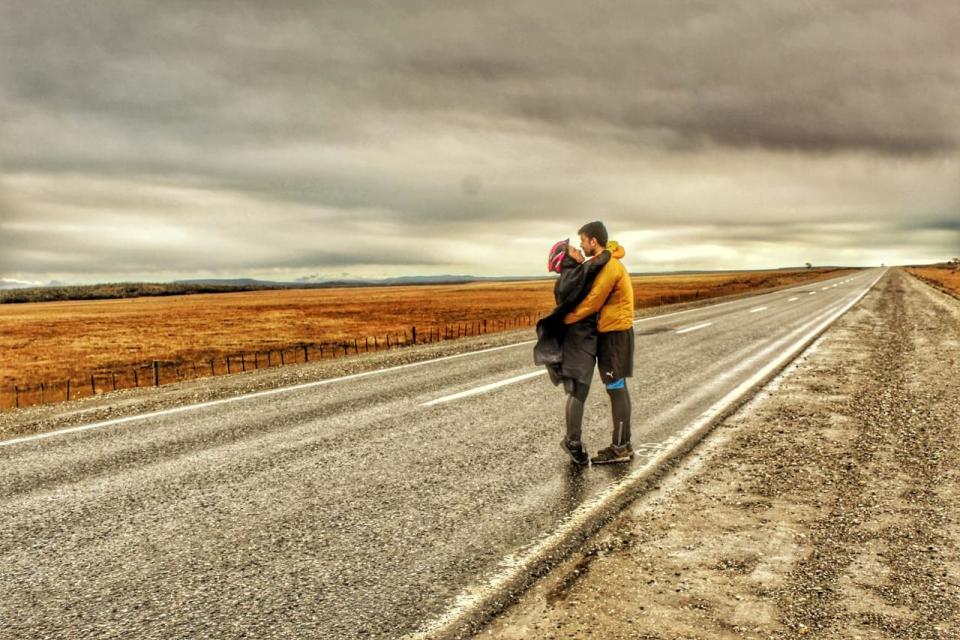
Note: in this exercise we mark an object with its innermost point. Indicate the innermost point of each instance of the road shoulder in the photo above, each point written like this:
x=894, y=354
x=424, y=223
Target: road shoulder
x=826, y=507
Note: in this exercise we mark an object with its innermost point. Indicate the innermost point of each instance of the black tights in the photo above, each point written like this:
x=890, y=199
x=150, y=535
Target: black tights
x=575, y=399
x=619, y=404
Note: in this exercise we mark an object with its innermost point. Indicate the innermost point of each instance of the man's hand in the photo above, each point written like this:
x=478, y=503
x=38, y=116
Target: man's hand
x=599, y=292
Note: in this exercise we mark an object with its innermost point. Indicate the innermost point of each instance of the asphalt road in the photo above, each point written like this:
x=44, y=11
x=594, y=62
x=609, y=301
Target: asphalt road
x=356, y=508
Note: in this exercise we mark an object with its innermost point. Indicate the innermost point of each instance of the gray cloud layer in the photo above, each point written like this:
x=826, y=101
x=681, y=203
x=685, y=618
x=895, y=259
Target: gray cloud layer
x=307, y=136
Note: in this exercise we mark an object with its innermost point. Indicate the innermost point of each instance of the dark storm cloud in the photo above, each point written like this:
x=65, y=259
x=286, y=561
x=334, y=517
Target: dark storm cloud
x=935, y=223
x=825, y=76
x=69, y=252
x=377, y=113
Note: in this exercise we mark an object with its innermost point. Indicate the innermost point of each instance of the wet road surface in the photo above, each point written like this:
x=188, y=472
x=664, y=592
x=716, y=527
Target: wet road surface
x=357, y=508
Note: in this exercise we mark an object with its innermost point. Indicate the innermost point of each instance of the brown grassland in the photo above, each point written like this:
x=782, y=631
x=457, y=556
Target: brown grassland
x=54, y=341
x=943, y=277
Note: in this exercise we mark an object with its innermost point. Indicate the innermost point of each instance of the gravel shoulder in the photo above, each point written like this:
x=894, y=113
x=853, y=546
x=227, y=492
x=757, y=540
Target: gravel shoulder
x=827, y=507
x=116, y=404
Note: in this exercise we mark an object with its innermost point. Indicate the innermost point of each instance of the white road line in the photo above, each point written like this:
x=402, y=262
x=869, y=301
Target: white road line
x=824, y=288
x=318, y=383
x=248, y=396
x=792, y=299
x=813, y=293
x=484, y=388
x=695, y=327
x=758, y=309
x=720, y=304
x=515, y=566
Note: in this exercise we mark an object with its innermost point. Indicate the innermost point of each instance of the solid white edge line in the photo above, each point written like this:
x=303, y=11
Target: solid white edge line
x=317, y=383
x=487, y=387
x=517, y=565
x=792, y=299
x=695, y=327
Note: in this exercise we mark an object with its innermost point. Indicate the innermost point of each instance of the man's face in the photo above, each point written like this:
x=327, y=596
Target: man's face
x=589, y=245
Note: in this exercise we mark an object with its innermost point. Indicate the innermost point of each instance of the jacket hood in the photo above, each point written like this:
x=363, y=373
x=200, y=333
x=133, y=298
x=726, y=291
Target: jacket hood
x=616, y=251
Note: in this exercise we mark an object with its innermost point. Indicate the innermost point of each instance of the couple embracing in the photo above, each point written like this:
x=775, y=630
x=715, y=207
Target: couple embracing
x=592, y=324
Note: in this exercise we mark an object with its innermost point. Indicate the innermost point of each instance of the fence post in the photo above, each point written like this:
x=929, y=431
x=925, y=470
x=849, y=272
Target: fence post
x=113, y=379
x=413, y=330
x=213, y=371
x=282, y=361
x=156, y=373
x=68, y=388
x=243, y=362
x=306, y=358
x=136, y=378
x=16, y=396
x=93, y=385
x=227, y=358
x=43, y=389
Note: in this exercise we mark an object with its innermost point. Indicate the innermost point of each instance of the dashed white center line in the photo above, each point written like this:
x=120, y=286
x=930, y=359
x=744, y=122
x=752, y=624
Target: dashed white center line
x=758, y=309
x=824, y=288
x=484, y=388
x=694, y=327
x=792, y=299
x=813, y=293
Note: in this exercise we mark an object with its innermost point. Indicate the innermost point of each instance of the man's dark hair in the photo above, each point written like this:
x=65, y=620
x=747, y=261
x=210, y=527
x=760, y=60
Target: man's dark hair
x=595, y=230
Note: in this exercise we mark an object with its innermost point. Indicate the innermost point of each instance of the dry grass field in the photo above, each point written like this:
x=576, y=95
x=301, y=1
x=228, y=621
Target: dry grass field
x=54, y=341
x=942, y=276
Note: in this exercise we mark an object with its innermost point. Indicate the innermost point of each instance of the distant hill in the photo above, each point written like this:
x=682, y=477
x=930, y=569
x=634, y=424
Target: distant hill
x=216, y=285
x=356, y=282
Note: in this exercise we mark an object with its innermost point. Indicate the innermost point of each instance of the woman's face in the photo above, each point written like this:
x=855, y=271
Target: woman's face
x=575, y=253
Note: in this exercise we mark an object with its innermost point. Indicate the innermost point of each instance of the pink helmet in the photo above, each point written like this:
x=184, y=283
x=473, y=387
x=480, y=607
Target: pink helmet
x=555, y=257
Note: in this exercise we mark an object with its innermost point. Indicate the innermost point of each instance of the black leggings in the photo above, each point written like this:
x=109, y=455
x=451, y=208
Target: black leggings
x=619, y=404
x=576, y=396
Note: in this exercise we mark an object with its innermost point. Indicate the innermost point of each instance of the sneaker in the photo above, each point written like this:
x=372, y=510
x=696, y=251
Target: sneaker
x=613, y=454
x=576, y=452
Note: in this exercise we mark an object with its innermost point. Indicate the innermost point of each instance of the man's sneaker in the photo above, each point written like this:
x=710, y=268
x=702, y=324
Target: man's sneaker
x=613, y=454
x=576, y=452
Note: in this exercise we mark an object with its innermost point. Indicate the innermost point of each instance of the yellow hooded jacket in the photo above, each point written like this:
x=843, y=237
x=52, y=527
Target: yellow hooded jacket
x=611, y=295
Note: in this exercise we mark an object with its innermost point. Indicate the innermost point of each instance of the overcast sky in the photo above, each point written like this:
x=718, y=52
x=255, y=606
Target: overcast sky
x=161, y=140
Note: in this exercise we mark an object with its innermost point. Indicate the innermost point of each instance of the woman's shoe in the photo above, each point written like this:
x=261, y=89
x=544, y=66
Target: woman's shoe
x=576, y=452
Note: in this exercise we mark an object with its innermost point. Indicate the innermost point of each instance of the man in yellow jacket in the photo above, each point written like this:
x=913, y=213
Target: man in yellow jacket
x=611, y=297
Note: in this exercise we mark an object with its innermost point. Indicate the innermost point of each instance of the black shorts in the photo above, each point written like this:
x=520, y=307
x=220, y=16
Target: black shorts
x=615, y=355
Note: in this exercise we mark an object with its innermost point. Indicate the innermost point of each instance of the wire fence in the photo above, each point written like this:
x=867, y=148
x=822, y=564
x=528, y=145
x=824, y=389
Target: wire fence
x=159, y=372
